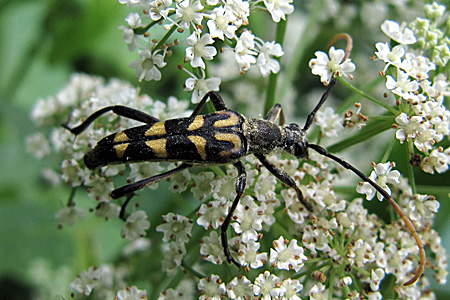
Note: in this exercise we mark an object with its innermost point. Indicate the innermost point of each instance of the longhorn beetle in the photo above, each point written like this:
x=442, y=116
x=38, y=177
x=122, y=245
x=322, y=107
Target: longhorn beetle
x=221, y=137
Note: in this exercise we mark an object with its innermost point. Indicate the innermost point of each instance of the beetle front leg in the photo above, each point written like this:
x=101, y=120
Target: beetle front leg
x=285, y=178
x=240, y=188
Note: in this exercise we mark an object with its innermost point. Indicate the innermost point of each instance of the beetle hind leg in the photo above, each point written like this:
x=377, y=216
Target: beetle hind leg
x=240, y=188
x=133, y=187
x=123, y=111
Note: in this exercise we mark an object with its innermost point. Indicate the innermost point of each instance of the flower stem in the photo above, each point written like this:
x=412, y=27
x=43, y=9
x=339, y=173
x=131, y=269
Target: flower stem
x=364, y=134
x=273, y=78
x=306, y=36
x=409, y=152
x=165, y=37
x=368, y=97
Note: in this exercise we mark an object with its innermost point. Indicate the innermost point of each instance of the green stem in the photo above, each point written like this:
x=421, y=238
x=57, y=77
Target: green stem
x=273, y=78
x=409, y=152
x=363, y=135
x=305, y=39
x=218, y=171
x=71, y=196
x=368, y=97
x=388, y=151
x=331, y=283
x=144, y=29
x=191, y=270
x=165, y=37
x=349, y=101
x=433, y=189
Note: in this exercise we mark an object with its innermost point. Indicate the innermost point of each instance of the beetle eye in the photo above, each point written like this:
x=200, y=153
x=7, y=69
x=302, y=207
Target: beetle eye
x=300, y=150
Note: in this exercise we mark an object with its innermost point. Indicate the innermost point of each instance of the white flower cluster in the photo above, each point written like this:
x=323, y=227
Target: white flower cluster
x=415, y=75
x=217, y=20
x=340, y=239
x=364, y=243
x=83, y=96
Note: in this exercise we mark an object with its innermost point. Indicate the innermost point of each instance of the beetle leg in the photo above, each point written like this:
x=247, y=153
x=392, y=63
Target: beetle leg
x=133, y=187
x=216, y=100
x=240, y=188
x=120, y=110
x=275, y=112
x=285, y=178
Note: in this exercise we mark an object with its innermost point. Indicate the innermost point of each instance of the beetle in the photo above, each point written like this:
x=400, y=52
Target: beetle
x=221, y=137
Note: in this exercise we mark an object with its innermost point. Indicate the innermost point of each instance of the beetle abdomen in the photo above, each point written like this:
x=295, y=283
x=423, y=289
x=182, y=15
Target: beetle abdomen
x=214, y=138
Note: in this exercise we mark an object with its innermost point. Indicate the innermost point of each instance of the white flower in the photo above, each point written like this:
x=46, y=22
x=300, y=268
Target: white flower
x=221, y=23
x=86, y=281
x=38, y=145
x=188, y=11
x=375, y=278
x=392, y=57
x=212, y=288
x=69, y=214
x=99, y=187
x=241, y=9
x=211, y=248
x=201, y=86
x=329, y=122
x=160, y=9
x=173, y=255
x=408, y=127
x=199, y=49
x=400, y=34
x=142, y=171
x=265, y=61
x=248, y=219
x=245, y=51
x=267, y=286
x=290, y=288
x=402, y=87
x=129, y=2
x=423, y=207
x=279, y=8
x=175, y=227
x=318, y=292
x=210, y=214
x=382, y=175
x=325, y=67
x=240, y=288
x=250, y=256
x=437, y=161
x=107, y=210
x=170, y=294
x=132, y=293
x=72, y=173
x=287, y=255
x=134, y=21
x=147, y=67
x=135, y=226
x=203, y=185
x=434, y=10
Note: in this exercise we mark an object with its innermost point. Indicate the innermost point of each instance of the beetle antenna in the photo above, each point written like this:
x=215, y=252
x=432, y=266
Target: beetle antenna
x=394, y=204
x=311, y=116
x=347, y=38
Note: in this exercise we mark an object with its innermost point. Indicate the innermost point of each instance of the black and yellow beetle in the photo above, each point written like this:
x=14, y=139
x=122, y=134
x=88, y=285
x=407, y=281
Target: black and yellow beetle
x=218, y=138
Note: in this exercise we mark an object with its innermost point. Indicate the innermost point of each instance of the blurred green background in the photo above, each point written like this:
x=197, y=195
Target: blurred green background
x=41, y=44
